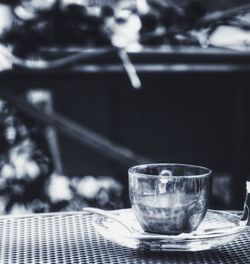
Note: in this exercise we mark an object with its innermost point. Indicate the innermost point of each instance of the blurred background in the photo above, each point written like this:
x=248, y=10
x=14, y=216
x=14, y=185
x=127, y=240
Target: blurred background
x=71, y=129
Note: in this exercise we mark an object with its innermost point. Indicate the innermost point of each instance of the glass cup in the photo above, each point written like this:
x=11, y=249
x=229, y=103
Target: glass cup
x=169, y=198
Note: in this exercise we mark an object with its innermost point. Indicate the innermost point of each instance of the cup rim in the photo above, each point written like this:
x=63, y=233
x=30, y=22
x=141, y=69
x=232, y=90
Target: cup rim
x=131, y=170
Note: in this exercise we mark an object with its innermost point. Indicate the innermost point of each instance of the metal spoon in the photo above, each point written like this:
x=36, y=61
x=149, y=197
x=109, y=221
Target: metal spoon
x=244, y=221
x=110, y=216
x=135, y=234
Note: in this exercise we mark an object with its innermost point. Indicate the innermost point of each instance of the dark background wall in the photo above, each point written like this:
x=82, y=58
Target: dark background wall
x=185, y=118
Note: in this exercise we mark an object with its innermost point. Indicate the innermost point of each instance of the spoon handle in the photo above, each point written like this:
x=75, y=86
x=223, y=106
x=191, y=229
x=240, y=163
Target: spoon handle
x=107, y=215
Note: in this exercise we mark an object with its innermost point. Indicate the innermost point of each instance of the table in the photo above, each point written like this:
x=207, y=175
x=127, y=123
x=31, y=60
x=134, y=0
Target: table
x=70, y=238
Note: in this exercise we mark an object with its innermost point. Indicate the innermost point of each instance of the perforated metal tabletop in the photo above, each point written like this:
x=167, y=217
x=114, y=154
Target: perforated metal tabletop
x=71, y=238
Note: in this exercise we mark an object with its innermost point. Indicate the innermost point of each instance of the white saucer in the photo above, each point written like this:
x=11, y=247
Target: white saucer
x=217, y=228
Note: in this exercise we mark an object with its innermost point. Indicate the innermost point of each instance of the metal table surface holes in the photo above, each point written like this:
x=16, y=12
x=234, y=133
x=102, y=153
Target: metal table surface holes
x=70, y=238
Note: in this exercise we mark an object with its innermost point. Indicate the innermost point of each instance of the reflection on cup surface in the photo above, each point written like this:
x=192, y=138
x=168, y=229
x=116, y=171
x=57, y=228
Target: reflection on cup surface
x=169, y=203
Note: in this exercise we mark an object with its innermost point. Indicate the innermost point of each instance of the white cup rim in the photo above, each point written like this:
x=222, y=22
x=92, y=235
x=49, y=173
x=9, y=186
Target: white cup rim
x=133, y=171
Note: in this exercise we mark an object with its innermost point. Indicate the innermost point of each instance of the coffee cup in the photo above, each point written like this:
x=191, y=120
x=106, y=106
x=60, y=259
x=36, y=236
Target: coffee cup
x=169, y=198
